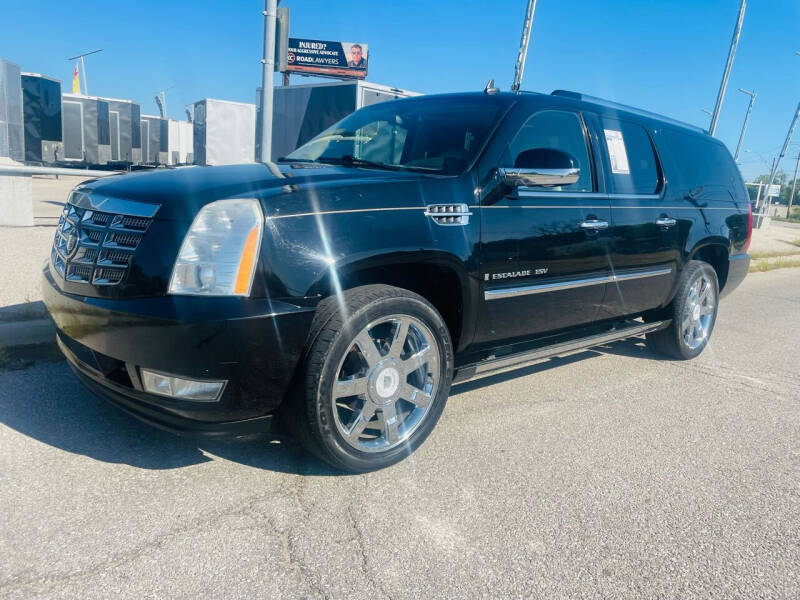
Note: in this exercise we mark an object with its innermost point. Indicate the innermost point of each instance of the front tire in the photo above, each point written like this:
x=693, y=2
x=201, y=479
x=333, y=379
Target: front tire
x=693, y=312
x=377, y=376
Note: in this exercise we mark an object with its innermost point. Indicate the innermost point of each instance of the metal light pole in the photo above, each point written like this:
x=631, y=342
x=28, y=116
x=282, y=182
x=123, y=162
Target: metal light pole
x=83, y=67
x=726, y=74
x=746, y=120
x=161, y=101
x=522, y=55
x=267, y=78
x=782, y=154
x=794, y=184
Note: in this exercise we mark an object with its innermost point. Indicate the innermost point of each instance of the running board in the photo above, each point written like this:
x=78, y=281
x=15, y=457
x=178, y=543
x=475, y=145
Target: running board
x=492, y=365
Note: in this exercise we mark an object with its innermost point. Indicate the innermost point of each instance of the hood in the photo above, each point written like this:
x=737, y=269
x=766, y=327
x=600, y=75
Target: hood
x=182, y=192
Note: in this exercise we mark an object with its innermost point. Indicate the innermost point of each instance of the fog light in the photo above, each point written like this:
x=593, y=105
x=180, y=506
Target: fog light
x=180, y=388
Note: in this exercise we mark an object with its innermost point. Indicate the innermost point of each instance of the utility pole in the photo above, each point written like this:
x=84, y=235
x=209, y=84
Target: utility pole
x=522, y=55
x=268, y=78
x=780, y=156
x=746, y=120
x=794, y=184
x=83, y=67
x=726, y=74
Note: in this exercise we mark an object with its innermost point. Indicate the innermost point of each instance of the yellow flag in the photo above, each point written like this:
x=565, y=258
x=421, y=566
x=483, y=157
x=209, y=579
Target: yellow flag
x=76, y=83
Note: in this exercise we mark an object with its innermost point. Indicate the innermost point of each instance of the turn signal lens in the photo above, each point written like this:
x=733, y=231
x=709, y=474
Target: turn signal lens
x=219, y=254
x=248, y=262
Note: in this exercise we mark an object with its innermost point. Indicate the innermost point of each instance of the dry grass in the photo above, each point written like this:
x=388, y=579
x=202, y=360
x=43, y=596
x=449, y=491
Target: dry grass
x=780, y=262
x=774, y=253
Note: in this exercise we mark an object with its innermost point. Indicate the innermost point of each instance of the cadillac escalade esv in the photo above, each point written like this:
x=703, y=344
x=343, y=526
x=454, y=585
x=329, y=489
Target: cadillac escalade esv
x=415, y=243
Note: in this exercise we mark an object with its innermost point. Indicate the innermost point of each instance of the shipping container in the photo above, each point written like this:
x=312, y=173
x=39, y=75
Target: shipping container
x=180, y=143
x=85, y=129
x=224, y=132
x=155, y=140
x=12, y=144
x=302, y=111
x=41, y=107
x=136, y=134
x=124, y=130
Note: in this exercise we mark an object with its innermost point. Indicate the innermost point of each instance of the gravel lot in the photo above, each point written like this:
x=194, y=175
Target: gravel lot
x=610, y=473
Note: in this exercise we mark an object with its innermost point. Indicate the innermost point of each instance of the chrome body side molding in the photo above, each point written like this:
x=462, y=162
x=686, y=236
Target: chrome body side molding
x=554, y=286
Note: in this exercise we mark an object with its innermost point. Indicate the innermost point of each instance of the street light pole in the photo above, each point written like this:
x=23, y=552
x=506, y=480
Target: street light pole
x=746, y=120
x=83, y=67
x=794, y=184
x=522, y=55
x=780, y=156
x=83, y=70
x=268, y=78
x=728, y=65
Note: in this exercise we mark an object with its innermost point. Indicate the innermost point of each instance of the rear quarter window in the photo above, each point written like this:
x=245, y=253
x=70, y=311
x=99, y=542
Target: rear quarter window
x=701, y=162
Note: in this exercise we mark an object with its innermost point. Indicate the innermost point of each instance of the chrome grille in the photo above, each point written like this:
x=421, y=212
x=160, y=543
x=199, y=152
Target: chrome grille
x=96, y=247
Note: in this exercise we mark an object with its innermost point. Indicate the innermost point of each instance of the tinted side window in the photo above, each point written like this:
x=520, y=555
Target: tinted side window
x=633, y=163
x=560, y=130
x=701, y=162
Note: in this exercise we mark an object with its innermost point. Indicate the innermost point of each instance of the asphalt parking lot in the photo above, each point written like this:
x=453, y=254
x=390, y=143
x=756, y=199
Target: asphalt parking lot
x=611, y=473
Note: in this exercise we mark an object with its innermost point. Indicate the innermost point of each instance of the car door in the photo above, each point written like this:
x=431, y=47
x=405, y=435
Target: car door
x=646, y=228
x=544, y=250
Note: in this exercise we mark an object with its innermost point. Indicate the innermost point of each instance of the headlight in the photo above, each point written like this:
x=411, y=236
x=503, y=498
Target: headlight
x=219, y=253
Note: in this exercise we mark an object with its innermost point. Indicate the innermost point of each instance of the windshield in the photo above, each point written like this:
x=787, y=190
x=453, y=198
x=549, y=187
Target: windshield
x=437, y=135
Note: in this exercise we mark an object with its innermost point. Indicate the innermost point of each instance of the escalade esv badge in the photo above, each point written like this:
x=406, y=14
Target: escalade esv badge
x=340, y=291
x=514, y=274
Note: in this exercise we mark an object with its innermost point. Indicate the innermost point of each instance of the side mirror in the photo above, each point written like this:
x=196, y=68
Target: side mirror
x=542, y=167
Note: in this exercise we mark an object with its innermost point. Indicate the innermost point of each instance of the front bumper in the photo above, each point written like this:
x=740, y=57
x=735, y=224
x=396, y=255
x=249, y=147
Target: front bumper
x=254, y=344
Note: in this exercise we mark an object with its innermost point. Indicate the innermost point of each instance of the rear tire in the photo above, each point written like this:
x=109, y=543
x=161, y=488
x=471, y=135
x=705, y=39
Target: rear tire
x=693, y=312
x=378, y=369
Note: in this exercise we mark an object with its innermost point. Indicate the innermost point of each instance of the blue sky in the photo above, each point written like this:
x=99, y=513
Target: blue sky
x=664, y=56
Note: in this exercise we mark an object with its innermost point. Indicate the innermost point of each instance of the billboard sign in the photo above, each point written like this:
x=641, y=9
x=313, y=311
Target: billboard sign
x=332, y=59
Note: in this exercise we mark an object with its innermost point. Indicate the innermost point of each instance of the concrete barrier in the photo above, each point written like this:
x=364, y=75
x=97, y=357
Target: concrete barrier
x=16, y=197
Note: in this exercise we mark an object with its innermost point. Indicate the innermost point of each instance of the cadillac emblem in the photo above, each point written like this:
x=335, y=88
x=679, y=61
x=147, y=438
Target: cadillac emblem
x=72, y=242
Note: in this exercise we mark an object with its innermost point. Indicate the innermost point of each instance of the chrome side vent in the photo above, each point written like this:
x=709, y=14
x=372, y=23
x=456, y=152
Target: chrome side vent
x=448, y=214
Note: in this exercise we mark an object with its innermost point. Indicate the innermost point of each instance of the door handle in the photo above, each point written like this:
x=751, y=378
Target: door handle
x=594, y=224
x=665, y=221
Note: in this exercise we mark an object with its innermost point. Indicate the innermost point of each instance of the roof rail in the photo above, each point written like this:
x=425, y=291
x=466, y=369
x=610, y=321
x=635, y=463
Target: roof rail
x=626, y=108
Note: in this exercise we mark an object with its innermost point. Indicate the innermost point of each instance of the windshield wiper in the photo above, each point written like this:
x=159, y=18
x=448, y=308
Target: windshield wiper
x=349, y=160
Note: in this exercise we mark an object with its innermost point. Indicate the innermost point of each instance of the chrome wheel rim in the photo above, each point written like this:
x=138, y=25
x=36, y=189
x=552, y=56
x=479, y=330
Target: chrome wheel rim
x=385, y=383
x=698, y=313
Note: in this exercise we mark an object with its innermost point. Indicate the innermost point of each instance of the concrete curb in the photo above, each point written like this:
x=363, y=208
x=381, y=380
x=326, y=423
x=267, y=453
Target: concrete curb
x=27, y=333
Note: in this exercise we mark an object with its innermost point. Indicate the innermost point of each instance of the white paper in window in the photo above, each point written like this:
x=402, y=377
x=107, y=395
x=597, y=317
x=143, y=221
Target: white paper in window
x=617, y=152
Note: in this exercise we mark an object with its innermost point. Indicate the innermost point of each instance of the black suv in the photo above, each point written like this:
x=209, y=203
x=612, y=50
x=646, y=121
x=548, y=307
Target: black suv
x=415, y=243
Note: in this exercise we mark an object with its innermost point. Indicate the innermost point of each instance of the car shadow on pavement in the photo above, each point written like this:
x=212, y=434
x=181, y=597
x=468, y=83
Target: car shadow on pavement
x=48, y=404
